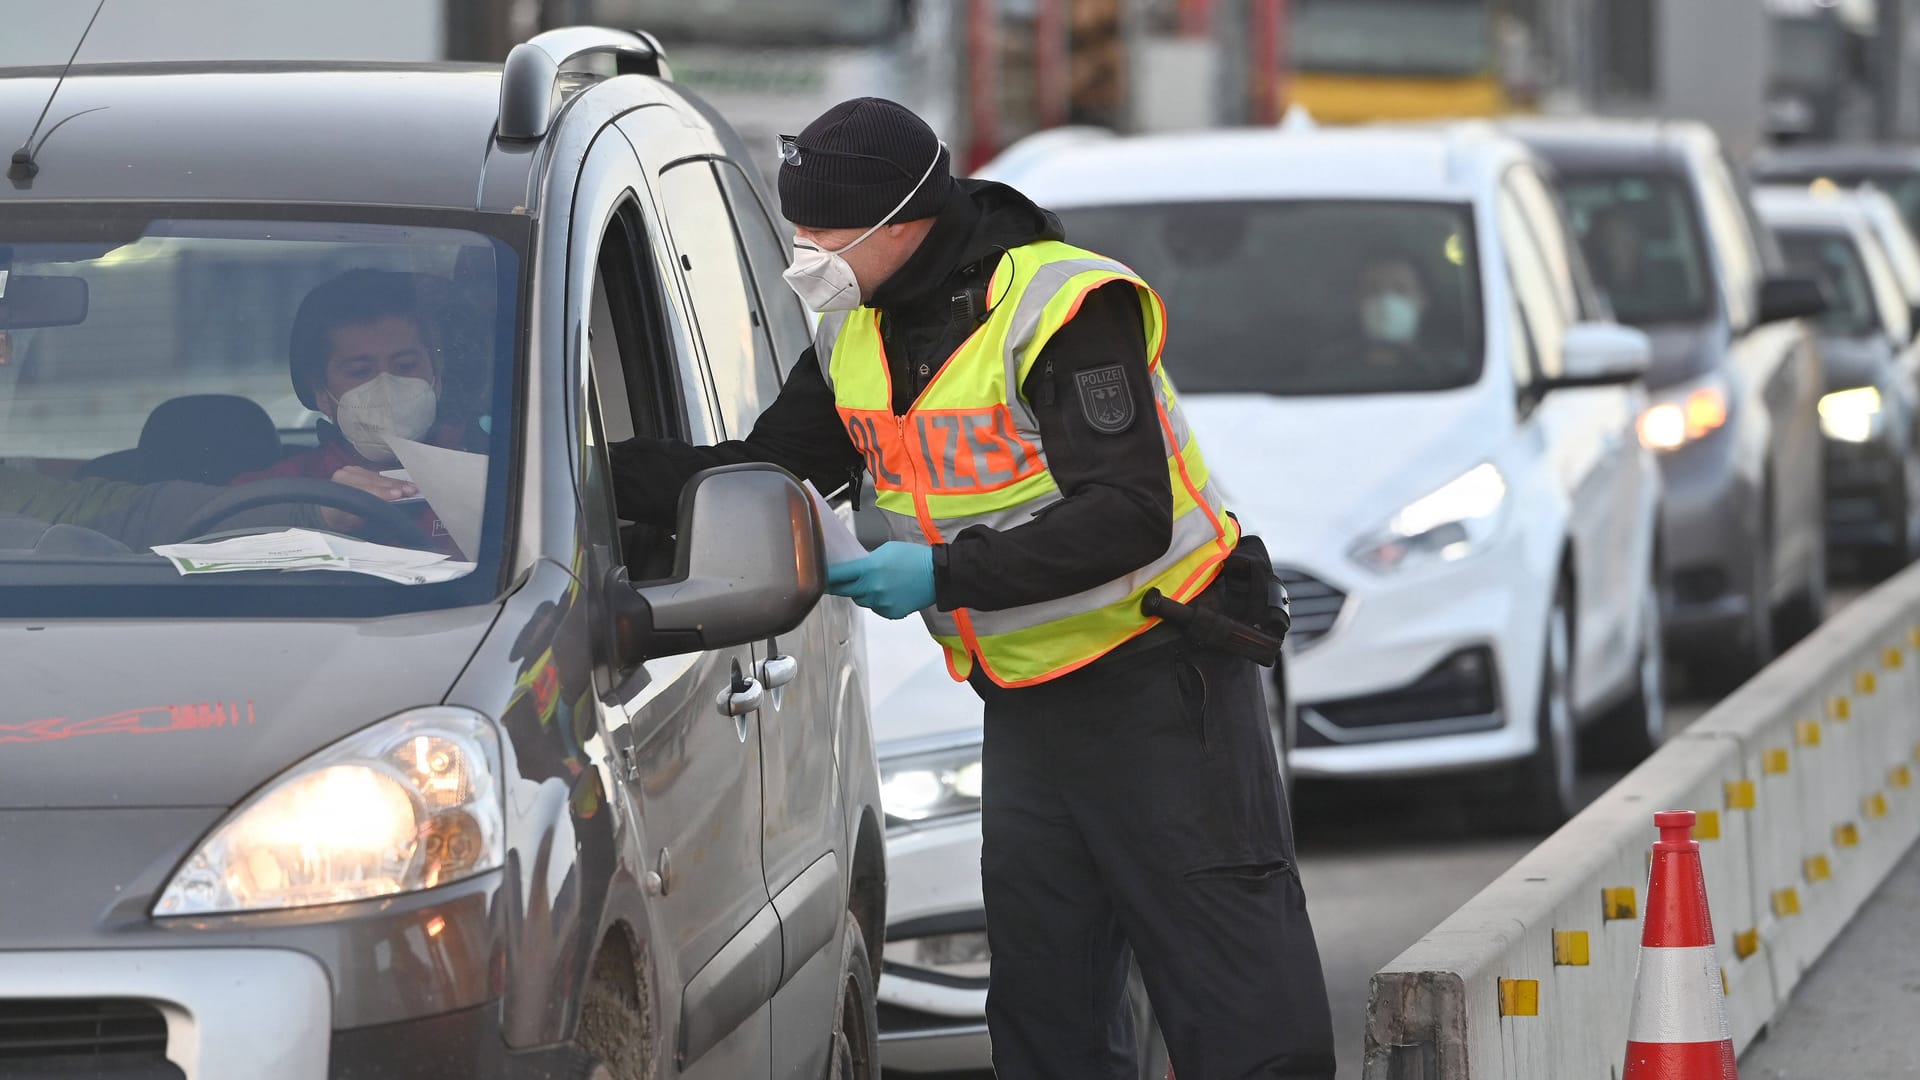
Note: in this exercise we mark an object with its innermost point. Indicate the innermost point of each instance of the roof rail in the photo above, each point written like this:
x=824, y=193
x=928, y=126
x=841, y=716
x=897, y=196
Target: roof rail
x=530, y=87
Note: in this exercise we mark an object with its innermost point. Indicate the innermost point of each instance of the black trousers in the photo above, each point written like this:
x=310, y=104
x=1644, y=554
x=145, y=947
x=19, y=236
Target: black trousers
x=1135, y=807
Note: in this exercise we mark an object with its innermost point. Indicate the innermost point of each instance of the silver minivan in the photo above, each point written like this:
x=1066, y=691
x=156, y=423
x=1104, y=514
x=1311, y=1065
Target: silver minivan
x=347, y=731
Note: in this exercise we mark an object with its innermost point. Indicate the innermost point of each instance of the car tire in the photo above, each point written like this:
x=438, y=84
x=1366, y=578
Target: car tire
x=1541, y=793
x=613, y=1039
x=1803, y=614
x=854, y=1053
x=1149, y=1043
x=1635, y=728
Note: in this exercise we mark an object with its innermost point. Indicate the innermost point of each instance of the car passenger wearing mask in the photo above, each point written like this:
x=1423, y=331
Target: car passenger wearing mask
x=363, y=356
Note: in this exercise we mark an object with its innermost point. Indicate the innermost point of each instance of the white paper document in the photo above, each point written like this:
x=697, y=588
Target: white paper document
x=842, y=545
x=455, y=484
x=302, y=549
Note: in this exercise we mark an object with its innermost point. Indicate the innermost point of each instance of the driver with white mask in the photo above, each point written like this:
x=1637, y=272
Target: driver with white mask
x=364, y=356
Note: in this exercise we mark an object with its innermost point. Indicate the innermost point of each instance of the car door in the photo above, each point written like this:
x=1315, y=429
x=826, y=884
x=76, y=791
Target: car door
x=1624, y=486
x=689, y=774
x=803, y=672
x=1582, y=436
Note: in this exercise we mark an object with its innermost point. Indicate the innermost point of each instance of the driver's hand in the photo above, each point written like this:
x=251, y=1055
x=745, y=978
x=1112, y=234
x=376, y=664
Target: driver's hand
x=384, y=487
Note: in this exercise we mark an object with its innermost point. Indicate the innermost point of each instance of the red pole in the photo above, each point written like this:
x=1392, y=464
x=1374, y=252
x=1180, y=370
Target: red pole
x=1282, y=57
x=983, y=91
x=1263, y=39
x=1050, y=62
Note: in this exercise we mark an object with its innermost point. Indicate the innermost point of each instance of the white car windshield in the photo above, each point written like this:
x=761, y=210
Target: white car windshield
x=1304, y=297
x=173, y=379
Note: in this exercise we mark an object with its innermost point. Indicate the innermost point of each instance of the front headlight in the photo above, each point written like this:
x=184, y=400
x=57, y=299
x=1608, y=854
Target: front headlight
x=936, y=784
x=408, y=804
x=1851, y=415
x=1684, y=414
x=1445, y=524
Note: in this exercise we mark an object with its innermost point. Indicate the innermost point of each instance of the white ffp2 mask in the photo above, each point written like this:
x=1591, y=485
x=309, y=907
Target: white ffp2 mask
x=822, y=279
x=386, y=406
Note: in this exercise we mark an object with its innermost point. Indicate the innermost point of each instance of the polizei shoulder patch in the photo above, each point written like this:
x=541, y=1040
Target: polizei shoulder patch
x=1104, y=398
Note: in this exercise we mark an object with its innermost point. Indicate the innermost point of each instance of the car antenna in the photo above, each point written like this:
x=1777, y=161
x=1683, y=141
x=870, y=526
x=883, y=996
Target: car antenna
x=24, y=167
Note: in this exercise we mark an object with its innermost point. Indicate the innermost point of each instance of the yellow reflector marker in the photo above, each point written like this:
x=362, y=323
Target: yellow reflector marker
x=1840, y=708
x=1725, y=990
x=1900, y=777
x=1746, y=943
x=1706, y=825
x=1847, y=835
x=1876, y=805
x=1786, y=902
x=1807, y=733
x=1739, y=794
x=1774, y=761
x=1818, y=869
x=1863, y=682
x=1619, y=903
x=1519, y=997
x=1913, y=637
x=1570, y=948
x=1892, y=658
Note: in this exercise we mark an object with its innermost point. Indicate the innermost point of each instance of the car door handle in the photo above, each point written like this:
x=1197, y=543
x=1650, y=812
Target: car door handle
x=778, y=671
x=741, y=697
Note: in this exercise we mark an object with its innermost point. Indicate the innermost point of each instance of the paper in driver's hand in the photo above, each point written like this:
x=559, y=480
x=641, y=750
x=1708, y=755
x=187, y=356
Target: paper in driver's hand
x=842, y=545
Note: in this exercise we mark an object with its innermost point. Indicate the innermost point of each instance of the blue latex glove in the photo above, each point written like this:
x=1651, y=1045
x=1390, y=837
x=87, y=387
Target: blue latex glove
x=893, y=582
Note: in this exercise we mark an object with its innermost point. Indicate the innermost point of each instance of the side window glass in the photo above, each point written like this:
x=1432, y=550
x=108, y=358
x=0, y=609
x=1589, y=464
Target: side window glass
x=1532, y=284
x=1732, y=240
x=725, y=308
x=768, y=251
x=632, y=385
x=1894, y=312
x=1549, y=228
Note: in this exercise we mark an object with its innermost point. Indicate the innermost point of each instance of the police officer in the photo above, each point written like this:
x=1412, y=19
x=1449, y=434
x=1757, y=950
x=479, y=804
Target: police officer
x=1003, y=389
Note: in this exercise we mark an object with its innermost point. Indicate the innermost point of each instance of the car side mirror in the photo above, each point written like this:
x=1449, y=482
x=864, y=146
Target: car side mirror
x=1602, y=354
x=1791, y=296
x=751, y=565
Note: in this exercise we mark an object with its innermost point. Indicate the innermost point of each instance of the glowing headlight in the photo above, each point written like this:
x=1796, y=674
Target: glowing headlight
x=1851, y=415
x=938, y=784
x=407, y=804
x=1681, y=416
x=1444, y=524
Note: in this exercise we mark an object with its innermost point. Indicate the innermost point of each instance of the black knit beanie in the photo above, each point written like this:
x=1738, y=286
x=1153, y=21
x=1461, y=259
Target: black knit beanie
x=853, y=165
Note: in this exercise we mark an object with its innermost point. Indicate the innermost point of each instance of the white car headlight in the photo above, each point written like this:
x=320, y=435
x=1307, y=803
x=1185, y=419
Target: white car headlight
x=1851, y=415
x=409, y=803
x=1445, y=524
x=935, y=784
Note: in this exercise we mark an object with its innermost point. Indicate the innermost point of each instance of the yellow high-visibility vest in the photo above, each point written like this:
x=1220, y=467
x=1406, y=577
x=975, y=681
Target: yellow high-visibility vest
x=969, y=452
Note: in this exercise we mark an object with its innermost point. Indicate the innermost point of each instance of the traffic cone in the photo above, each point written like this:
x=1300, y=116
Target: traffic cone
x=1679, y=1027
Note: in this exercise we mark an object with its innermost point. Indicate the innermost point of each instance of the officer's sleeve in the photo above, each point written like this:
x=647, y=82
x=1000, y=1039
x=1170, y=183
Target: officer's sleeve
x=1110, y=464
x=800, y=432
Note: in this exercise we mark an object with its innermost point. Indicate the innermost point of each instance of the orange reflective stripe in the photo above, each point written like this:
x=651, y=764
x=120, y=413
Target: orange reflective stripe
x=958, y=451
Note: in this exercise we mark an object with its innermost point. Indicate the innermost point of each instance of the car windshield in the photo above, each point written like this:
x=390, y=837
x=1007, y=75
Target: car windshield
x=1307, y=297
x=1642, y=241
x=1408, y=37
x=307, y=409
x=1835, y=261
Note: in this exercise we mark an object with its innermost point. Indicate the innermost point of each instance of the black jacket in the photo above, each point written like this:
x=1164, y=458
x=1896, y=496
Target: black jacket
x=1117, y=512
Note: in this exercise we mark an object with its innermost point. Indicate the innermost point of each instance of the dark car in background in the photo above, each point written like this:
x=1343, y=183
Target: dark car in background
x=1867, y=347
x=1735, y=384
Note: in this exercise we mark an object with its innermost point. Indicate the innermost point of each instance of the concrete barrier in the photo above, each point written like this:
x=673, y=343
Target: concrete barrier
x=1807, y=782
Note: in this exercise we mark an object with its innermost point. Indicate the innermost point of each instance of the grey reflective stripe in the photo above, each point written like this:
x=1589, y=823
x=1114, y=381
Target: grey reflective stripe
x=824, y=337
x=1046, y=283
x=1191, y=532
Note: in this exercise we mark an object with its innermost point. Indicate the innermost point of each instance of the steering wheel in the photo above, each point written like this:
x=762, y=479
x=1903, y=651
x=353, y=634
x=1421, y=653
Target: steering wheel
x=385, y=522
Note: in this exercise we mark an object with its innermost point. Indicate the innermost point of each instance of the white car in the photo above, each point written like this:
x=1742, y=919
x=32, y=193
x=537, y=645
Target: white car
x=1406, y=384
